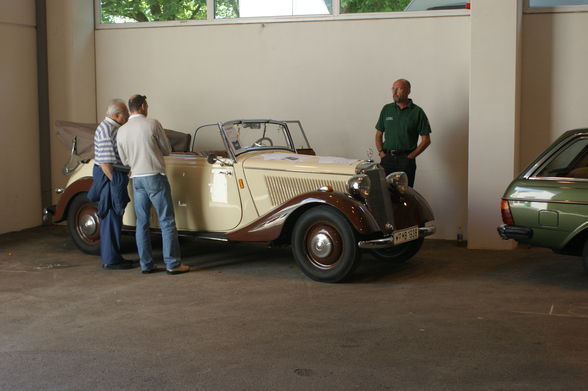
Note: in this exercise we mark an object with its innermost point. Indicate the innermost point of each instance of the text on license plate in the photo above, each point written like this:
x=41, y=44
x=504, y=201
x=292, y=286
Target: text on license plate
x=406, y=235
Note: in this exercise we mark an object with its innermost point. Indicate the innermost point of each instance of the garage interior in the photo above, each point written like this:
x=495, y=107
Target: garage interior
x=499, y=83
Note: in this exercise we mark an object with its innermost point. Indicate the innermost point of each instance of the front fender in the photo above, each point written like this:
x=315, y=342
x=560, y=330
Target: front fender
x=270, y=226
x=79, y=186
x=411, y=208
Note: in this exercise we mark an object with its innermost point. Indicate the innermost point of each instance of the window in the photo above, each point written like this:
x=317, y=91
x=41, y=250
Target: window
x=556, y=3
x=116, y=11
x=360, y=6
x=141, y=11
x=570, y=162
x=257, y=8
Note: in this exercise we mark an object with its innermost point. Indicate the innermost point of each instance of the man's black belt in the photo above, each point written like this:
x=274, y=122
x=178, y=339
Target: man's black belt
x=396, y=152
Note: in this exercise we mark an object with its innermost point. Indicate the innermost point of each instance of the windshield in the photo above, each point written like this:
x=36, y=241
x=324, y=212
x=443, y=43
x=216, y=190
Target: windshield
x=249, y=135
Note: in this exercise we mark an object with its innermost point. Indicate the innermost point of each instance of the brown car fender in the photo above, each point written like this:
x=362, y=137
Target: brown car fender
x=410, y=208
x=271, y=225
x=79, y=186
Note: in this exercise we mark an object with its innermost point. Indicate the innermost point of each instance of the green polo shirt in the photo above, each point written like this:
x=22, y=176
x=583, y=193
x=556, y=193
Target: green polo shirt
x=402, y=127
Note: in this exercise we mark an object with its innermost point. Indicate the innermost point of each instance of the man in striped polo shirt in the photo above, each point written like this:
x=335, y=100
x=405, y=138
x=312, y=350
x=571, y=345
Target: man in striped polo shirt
x=109, y=187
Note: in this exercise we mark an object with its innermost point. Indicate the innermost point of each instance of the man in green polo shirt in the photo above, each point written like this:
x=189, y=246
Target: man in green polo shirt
x=398, y=130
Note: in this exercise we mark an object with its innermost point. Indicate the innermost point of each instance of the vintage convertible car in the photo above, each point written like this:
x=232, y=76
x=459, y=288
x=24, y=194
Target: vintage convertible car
x=547, y=204
x=259, y=180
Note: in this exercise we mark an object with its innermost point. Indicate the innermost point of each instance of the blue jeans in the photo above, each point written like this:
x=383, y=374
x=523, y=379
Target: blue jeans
x=155, y=190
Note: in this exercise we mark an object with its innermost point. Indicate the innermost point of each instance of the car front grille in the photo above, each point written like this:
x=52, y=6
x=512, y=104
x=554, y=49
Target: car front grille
x=378, y=200
x=282, y=189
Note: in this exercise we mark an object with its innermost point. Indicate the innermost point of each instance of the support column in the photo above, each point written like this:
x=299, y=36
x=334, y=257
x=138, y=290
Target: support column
x=495, y=84
x=72, y=72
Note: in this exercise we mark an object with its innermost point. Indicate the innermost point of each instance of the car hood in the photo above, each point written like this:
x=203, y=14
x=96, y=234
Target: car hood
x=293, y=162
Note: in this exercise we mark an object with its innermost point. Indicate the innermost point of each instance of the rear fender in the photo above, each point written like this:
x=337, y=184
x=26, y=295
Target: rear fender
x=79, y=186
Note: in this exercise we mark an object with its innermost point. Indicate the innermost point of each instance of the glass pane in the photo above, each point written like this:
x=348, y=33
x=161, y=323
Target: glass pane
x=571, y=162
x=256, y=8
x=359, y=6
x=208, y=139
x=554, y=3
x=256, y=136
x=131, y=11
x=297, y=134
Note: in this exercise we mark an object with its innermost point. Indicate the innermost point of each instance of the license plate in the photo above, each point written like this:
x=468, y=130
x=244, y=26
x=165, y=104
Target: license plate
x=406, y=235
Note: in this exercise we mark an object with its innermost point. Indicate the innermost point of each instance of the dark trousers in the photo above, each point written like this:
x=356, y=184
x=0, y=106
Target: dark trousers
x=393, y=163
x=110, y=233
x=112, y=198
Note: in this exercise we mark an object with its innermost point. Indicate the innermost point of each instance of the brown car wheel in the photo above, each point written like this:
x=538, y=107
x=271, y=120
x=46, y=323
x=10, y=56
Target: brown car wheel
x=324, y=245
x=83, y=224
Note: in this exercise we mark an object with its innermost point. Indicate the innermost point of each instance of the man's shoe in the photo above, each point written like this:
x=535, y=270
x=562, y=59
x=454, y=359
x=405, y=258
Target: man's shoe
x=118, y=266
x=154, y=269
x=179, y=269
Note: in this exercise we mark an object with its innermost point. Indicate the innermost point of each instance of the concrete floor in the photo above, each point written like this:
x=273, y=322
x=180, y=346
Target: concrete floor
x=248, y=319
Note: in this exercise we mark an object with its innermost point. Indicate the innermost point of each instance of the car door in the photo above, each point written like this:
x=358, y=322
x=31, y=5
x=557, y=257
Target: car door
x=206, y=197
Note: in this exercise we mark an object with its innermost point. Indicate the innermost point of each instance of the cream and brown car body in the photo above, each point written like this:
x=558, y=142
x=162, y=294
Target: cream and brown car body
x=259, y=180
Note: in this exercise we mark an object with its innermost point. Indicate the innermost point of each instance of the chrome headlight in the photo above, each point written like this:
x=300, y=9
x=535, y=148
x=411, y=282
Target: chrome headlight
x=398, y=180
x=362, y=167
x=359, y=186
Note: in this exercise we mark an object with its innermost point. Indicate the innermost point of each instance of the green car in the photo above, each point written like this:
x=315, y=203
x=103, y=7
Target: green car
x=547, y=204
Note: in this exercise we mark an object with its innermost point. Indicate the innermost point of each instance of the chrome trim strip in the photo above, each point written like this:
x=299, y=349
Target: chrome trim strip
x=279, y=218
x=555, y=150
x=557, y=179
x=547, y=201
x=297, y=172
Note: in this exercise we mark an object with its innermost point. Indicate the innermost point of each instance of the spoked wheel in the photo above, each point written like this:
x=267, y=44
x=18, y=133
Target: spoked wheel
x=401, y=253
x=324, y=245
x=84, y=225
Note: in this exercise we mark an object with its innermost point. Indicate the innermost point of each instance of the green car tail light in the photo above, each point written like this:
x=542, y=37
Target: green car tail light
x=505, y=212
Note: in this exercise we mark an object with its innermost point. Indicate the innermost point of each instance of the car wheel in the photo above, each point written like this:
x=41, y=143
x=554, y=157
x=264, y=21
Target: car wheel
x=324, y=245
x=401, y=253
x=83, y=224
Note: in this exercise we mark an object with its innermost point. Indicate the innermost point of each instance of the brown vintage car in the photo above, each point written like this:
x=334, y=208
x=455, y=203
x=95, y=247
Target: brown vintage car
x=259, y=180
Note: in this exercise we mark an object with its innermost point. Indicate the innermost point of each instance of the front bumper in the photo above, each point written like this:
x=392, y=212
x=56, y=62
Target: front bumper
x=48, y=213
x=515, y=232
x=389, y=240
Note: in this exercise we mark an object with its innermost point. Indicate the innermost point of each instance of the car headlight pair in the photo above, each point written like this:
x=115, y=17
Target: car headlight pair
x=359, y=186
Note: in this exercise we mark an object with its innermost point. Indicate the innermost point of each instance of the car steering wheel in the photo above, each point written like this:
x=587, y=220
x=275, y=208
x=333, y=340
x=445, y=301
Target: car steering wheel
x=259, y=142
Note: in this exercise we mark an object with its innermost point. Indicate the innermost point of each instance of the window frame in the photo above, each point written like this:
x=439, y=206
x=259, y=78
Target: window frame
x=334, y=16
x=553, y=9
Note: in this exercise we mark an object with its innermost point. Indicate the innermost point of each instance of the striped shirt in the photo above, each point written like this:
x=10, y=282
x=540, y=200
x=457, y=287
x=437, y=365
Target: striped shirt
x=105, y=149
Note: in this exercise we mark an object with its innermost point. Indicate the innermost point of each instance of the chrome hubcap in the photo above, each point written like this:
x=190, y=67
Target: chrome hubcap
x=88, y=225
x=321, y=245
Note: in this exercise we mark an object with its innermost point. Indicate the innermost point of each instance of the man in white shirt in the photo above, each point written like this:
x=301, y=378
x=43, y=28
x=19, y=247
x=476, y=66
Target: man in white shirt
x=142, y=143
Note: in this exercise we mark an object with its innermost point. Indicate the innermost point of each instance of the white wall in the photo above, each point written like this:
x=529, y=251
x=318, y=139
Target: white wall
x=555, y=79
x=20, y=202
x=333, y=75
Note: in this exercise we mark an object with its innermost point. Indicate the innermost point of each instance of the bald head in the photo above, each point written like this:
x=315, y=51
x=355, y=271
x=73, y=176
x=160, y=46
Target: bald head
x=400, y=91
